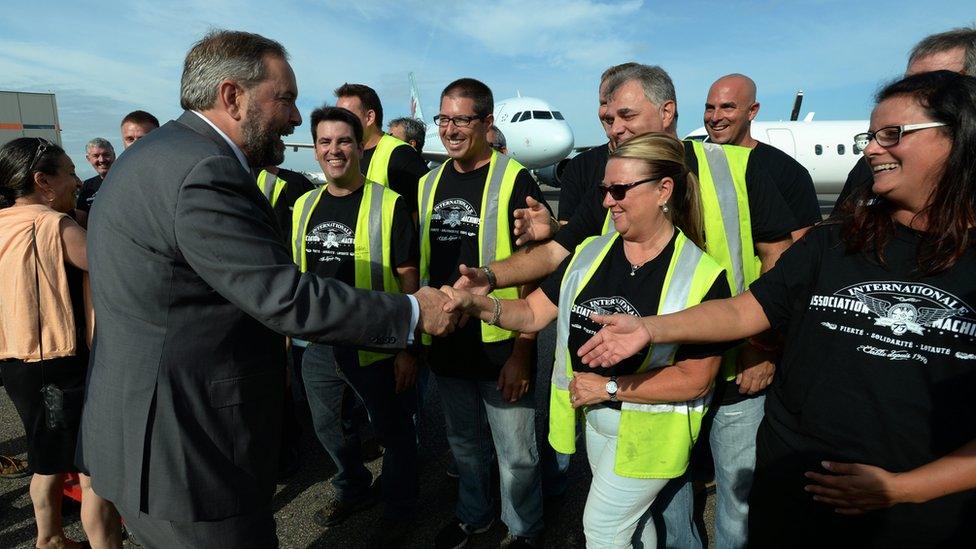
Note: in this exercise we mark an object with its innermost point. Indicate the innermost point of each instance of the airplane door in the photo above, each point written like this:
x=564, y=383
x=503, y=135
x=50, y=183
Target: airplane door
x=782, y=139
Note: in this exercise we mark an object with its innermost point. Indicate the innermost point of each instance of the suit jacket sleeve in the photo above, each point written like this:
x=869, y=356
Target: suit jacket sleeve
x=225, y=231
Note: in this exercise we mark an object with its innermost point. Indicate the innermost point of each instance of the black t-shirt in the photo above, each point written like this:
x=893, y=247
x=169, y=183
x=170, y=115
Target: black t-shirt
x=612, y=290
x=454, y=240
x=879, y=367
x=583, y=172
x=297, y=185
x=771, y=217
x=405, y=169
x=331, y=232
x=859, y=177
x=793, y=181
x=86, y=196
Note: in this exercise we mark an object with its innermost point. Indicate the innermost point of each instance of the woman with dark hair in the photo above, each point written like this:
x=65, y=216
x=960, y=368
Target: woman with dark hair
x=869, y=438
x=642, y=416
x=43, y=341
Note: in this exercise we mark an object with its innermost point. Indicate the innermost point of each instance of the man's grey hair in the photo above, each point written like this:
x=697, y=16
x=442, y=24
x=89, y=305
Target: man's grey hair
x=99, y=143
x=657, y=85
x=498, y=143
x=962, y=37
x=224, y=55
x=413, y=128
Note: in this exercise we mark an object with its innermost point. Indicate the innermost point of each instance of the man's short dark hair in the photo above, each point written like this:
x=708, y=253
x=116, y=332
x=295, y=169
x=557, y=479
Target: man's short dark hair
x=326, y=113
x=367, y=96
x=414, y=129
x=141, y=118
x=962, y=37
x=224, y=55
x=475, y=90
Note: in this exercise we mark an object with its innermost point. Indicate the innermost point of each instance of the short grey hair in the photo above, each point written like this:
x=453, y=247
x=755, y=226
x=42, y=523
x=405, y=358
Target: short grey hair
x=413, y=128
x=498, y=143
x=961, y=37
x=99, y=143
x=224, y=55
x=657, y=84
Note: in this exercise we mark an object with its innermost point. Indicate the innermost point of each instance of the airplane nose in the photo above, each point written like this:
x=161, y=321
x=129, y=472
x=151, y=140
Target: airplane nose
x=562, y=139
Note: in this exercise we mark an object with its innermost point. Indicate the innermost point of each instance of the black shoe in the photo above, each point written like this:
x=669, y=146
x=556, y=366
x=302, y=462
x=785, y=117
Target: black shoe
x=371, y=450
x=457, y=533
x=337, y=511
x=518, y=542
x=390, y=532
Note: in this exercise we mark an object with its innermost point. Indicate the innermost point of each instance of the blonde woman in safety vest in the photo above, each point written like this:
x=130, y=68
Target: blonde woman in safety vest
x=643, y=416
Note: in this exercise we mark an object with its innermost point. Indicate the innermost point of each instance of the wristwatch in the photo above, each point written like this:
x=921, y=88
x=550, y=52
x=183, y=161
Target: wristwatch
x=612, y=388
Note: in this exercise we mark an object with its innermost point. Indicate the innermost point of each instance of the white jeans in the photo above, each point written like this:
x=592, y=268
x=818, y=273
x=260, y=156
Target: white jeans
x=615, y=504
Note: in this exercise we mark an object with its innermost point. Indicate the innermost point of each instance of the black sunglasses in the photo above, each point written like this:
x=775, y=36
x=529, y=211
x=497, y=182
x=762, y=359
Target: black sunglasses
x=42, y=146
x=618, y=192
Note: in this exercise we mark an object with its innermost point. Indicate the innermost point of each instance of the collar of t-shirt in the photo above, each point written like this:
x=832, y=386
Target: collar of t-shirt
x=237, y=150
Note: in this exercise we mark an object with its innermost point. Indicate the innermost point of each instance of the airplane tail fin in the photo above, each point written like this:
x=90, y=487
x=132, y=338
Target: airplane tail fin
x=415, y=110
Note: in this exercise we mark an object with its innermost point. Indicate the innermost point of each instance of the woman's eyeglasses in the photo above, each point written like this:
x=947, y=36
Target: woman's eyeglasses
x=889, y=136
x=619, y=191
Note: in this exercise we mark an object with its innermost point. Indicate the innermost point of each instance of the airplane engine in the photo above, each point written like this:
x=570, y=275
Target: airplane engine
x=552, y=175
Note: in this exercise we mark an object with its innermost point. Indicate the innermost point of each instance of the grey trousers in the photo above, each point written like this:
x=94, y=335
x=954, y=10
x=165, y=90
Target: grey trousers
x=255, y=530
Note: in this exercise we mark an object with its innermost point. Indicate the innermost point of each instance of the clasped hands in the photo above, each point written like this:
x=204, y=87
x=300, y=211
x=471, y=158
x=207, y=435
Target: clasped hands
x=443, y=310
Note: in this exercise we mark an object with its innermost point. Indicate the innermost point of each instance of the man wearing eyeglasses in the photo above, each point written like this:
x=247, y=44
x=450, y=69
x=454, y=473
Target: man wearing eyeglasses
x=483, y=372
x=953, y=50
x=386, y=159
x=746, y=234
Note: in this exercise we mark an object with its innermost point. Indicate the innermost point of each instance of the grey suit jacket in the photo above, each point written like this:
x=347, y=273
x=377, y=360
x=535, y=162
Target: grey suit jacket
x=192, y=289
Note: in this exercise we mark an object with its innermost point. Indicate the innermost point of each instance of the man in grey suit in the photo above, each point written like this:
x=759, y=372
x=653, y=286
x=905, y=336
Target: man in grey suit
x=192, y=289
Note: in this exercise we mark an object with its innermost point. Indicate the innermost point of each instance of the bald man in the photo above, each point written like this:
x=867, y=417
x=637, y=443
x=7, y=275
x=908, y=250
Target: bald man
x=735, y=415
x=730, y=108
x=953, y=50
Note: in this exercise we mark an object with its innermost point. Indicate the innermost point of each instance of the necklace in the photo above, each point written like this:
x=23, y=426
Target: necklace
x=635, y=268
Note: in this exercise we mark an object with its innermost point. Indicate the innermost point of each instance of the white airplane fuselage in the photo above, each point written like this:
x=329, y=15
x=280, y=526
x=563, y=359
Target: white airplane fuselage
x=535, y=134
x=824, y=147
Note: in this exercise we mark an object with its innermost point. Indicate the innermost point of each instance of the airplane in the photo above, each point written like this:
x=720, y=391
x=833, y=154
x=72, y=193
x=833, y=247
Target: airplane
x=826, y=148
x=536, y=135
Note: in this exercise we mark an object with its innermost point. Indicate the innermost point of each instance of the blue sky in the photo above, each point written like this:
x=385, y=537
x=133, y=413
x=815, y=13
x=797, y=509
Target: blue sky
x=104, y=59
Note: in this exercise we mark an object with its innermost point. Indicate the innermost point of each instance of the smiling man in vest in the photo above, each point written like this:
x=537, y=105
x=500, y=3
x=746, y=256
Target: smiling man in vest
x=484, y=373
x=360, y=232
x=386, y=160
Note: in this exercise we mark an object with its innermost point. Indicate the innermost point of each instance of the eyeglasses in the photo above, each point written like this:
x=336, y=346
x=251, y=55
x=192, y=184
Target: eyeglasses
x=618, y=192
x=459, y=121
x=889, y=136
x=42, y=147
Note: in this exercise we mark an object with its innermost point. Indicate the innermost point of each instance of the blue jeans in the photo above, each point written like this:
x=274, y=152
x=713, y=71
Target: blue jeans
x=733, y=442
x=673, y=515
x=467, y=405
x=331, y=375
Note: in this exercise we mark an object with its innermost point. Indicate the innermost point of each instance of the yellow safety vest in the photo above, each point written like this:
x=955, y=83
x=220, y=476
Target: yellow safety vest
x=372, y=250
x=654, y=440
x=379, y=163
x=271, y=186
x=494, y=233
x=728, y=221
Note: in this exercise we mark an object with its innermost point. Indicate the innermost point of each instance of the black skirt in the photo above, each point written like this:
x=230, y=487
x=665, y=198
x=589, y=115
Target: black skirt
x=50, y=450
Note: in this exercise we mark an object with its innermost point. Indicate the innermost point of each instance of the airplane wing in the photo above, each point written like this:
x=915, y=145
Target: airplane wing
x=435, y=156
x=296, y=146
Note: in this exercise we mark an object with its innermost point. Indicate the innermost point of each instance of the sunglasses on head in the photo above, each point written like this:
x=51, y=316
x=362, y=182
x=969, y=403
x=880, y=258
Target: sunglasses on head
x=619, y=191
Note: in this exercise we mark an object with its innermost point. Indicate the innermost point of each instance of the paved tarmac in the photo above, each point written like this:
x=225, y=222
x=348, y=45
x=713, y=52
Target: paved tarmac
x=300, y=496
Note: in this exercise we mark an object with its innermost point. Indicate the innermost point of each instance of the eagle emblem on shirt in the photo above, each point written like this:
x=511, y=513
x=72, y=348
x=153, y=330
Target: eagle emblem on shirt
x=904, y=317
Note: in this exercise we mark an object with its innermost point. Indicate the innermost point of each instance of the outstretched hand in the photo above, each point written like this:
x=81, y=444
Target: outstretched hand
x=622, y=336
x=855, y=488
x=533, y=223
x=434, y=319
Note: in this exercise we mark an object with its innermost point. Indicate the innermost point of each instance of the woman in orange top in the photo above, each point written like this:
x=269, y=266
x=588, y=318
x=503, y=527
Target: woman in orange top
x=42, y=332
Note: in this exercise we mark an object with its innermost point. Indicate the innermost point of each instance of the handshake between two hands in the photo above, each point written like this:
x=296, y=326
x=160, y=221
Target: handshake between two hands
x=443, y=310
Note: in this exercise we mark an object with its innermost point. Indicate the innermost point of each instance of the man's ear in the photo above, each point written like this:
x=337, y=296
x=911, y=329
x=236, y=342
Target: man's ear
x=668, y=111
x=371, y=117
x=753, y=111
x=232, y=99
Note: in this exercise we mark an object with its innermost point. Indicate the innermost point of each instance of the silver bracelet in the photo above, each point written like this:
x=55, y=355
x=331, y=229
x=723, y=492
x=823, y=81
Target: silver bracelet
x=498, y=310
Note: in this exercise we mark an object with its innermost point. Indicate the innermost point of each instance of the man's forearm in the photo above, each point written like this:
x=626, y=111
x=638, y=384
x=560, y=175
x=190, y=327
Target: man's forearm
x=529, y=264
x=953, y=473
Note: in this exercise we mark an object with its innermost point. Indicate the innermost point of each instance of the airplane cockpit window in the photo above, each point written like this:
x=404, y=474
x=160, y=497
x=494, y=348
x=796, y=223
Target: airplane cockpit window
x=840, y=149
x=541, y=115
x=557, y=115
x=515, y=117
x=818, y=150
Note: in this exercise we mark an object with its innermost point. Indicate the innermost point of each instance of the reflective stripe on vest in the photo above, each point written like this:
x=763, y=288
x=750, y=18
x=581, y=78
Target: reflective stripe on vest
x=655, y=440
x=271, y=186
x=379, y=163
x=608, y=226
x=494, y=233
x=372, y=246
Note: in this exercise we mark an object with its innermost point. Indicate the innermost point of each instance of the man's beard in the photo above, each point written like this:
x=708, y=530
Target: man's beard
x=262, y=143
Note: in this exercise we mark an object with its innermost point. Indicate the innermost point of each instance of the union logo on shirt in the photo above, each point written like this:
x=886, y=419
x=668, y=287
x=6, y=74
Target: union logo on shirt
x=331, y=235
x=454, y=212
x=903, y=316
